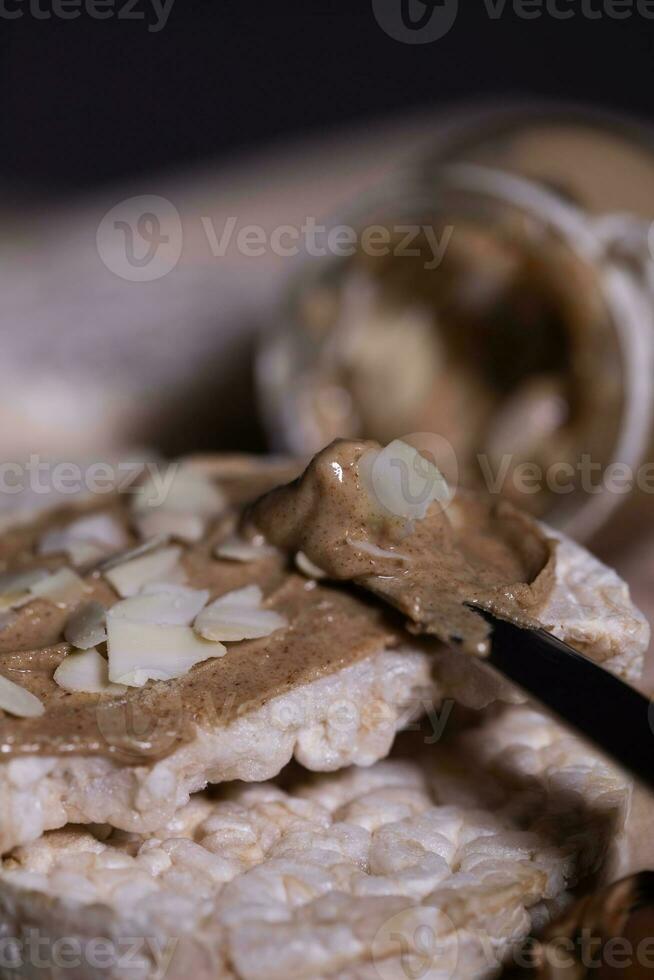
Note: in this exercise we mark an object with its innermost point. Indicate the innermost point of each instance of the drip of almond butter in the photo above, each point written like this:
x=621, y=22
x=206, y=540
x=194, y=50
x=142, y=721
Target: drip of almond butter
x=468, y=550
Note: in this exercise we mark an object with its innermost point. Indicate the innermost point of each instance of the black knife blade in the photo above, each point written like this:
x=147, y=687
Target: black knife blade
x=597, y=704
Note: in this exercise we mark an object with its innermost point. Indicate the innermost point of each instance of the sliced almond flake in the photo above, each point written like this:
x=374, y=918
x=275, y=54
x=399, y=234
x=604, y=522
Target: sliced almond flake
x=170, y=606
x=238, y=616
x=87, y=626
x=307, y=567
x=250, y=596
x=402, y=480
x=103, y=528
x=375, y=551
x=141, y=549
x=86, y=673
x=79, y=552
x=176, y=578
x=129, y=578
x=14, y=600
x=154, y=588
x=139, y=652
x=85, y=540
x=15, y=587
x=15, y=700
x=64, y=587
x=173, y=524
x=189, y=491
x=235, y=548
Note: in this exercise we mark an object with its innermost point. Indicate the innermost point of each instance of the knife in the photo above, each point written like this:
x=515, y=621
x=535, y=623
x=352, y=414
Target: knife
x=581, y=693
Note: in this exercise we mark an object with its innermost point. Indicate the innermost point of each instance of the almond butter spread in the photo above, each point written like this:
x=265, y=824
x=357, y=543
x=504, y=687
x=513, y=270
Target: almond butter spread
x=470, y=551
x=328, y=630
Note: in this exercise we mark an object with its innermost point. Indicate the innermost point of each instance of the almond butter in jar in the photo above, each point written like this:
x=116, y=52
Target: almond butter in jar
x=499, y=293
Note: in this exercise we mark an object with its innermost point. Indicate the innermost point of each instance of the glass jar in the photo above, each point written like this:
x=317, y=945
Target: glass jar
x=500, y=294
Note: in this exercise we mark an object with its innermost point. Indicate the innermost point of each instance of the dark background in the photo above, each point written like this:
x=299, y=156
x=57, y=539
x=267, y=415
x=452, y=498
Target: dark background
x=86, y=101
